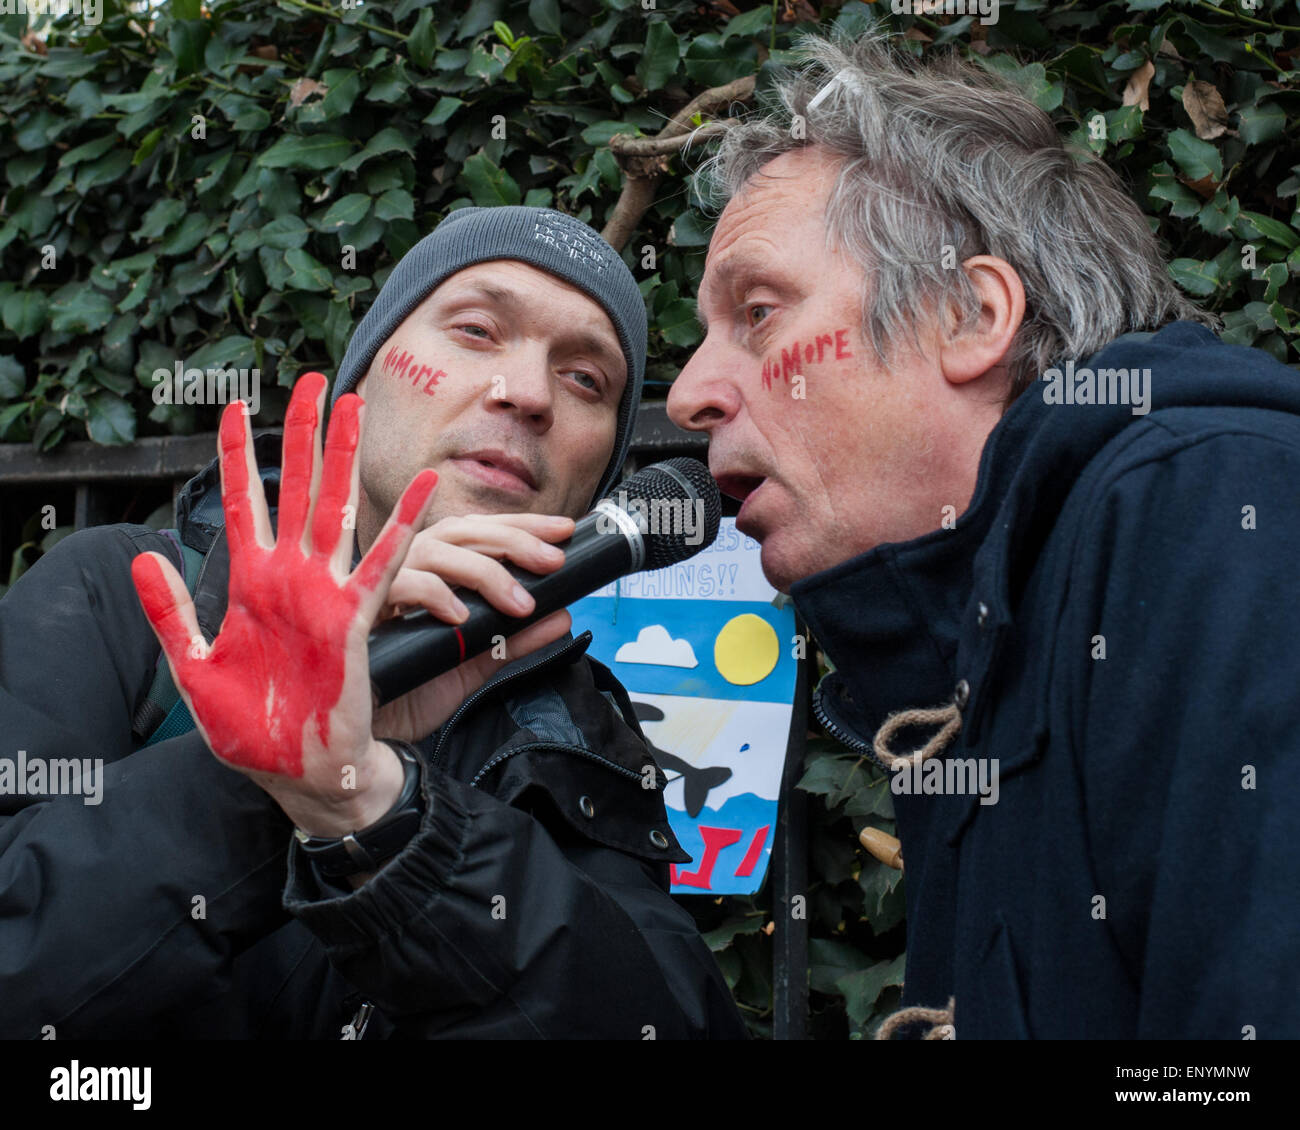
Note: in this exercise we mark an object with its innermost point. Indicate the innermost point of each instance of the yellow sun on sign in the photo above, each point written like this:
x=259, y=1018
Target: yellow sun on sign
x=746, y=650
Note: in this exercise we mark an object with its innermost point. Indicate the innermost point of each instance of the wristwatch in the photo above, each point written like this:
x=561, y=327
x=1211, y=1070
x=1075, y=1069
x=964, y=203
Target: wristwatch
x=369, y=848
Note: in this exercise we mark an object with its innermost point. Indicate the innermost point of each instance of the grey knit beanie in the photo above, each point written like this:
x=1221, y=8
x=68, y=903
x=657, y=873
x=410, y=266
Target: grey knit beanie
x=543, y=237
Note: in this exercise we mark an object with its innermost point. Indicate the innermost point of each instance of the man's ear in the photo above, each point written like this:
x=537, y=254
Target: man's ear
x=972, y=352
x=360, y=387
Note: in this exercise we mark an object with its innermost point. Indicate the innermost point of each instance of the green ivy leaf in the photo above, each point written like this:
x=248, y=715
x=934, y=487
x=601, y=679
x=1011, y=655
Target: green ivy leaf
x=829, y=960
x=87, y=152
x=186, y=237
x=1195, y=277
x=1273, y=230
x=659, y=57
x=282, y=233
x=318, y=151
x=350, y=209
x=13, y=381
x=678, y=323
x=727, y=933
x=306, y=273
x=422, y=41
x=395, y=204
x=861, y=990
x=1197, y=158
x=77, y=308
x=545, y=16
x=162, y=214
x=109, y=419
x=147, y=145
x=1261, y=123
x=24, y=313
x=488, y=184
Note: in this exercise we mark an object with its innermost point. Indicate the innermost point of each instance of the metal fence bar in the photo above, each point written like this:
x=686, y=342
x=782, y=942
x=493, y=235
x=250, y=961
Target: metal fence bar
x=790, y=880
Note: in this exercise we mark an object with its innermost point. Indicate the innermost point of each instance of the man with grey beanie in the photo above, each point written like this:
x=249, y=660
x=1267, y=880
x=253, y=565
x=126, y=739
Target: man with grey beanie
x=481, y=857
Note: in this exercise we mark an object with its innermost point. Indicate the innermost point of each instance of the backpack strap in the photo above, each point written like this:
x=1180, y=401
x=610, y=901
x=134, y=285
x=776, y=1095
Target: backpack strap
x=163, y=714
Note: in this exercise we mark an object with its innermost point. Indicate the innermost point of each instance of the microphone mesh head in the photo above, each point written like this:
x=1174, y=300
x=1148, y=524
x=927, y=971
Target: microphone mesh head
x=676, y=506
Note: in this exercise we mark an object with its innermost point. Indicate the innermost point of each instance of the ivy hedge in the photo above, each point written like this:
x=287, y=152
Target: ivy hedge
x=229, y=185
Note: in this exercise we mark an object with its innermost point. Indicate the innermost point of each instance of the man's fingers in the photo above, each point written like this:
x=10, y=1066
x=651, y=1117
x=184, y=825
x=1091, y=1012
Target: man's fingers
x=336, y=504
x=170, y=611
x=380, y=565
x=301, y=462
x=476, y=571
x=548, y=527
x=416, y=587
x=432, y=547
x=244, y=501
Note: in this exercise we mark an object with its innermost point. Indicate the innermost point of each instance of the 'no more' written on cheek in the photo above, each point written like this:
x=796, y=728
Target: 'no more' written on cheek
x=404, y=364
x=794, y=357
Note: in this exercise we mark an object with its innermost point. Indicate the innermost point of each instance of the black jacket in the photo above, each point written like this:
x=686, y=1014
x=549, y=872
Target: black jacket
x=179, y=907
x=1117, y=616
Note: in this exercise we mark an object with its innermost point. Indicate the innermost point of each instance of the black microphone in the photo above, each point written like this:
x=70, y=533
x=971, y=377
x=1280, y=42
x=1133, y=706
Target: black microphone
x=663, y=514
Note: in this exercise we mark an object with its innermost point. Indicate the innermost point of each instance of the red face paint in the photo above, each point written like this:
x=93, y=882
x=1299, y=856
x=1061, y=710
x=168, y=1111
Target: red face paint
x=401, y=363
x=263, y=693
x=793, y=358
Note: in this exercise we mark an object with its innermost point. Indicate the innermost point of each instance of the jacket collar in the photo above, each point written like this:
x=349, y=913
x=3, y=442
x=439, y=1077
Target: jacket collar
x=199, y=516
x=893, y=620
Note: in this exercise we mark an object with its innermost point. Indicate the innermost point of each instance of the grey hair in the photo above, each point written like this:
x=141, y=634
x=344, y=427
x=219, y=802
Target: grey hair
x=939, y=153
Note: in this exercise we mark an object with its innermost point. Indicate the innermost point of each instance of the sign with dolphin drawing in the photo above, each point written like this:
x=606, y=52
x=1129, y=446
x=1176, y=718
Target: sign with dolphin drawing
x=708, y=656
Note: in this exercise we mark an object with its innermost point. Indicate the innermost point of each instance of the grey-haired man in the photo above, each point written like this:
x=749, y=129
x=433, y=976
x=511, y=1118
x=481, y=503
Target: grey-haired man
x=1018, y=517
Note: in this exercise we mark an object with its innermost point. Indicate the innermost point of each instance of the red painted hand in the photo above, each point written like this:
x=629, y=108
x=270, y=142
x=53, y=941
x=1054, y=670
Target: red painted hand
x=283, y=692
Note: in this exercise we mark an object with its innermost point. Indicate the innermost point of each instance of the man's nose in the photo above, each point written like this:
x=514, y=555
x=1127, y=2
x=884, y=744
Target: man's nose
x=525, y=390
x=706, y=392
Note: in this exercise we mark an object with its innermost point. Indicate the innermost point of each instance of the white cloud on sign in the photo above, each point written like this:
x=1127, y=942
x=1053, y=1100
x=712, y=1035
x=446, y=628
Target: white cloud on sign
x=653, y=644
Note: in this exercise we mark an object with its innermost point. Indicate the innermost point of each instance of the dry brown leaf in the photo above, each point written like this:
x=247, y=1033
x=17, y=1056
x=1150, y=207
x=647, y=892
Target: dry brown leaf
x=1204, y=188
x=1135, y=93
x=34, y=42
x=303, y=89
x=1204, y=105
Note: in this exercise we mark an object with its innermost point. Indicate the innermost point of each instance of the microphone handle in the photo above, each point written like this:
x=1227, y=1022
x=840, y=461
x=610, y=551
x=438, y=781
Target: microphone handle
x=409, y=650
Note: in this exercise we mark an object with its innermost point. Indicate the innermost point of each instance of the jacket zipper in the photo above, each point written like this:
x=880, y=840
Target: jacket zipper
x=852, y=741
x=362, y=1018
x=579, y=750
x=488, y=686
x=356, y=1030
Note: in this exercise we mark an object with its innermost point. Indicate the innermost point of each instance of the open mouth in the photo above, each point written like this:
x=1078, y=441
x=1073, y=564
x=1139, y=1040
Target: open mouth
x=739, y=487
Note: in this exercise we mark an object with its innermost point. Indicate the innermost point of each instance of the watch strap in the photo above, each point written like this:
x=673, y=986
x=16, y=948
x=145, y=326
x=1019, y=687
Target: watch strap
x=369, y=848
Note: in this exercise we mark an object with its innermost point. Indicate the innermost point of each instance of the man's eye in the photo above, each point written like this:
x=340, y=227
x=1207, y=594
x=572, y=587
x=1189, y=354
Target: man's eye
x=757, y=306
x=594, y=385
x=474, y=326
